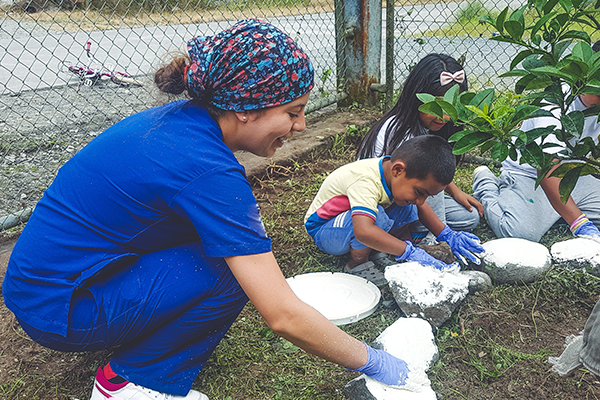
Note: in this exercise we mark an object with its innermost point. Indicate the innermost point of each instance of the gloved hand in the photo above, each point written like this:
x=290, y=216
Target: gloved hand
x=413, y=253
x=384, y=367
x=463, y=244
x=587, y=229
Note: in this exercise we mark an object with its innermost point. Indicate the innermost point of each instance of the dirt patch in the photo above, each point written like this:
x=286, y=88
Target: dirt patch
x=495, y=347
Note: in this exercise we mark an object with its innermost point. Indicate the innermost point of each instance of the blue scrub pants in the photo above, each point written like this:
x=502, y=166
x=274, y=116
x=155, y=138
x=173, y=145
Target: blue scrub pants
x=166, y=314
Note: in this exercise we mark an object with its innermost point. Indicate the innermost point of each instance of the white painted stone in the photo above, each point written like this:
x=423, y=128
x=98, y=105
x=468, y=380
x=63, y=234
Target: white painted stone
x=426, y=292
x=412, y=340
x=514, y=260
x=578, y=253
x=479, y=281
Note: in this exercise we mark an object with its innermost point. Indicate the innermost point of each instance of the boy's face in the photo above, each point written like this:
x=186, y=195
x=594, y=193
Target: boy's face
x=412, y=190
x=590, y=100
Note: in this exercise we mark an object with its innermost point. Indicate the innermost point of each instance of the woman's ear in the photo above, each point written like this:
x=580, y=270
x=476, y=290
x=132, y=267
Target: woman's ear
x=398, y=167
x=242, y=116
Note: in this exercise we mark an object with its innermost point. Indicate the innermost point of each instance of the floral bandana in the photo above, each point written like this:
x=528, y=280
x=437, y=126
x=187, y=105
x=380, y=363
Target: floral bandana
x=250, y=66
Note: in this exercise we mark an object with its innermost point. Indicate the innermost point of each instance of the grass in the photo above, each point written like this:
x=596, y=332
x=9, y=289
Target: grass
x=485, y=343
x=269, y=368
x=466, y=22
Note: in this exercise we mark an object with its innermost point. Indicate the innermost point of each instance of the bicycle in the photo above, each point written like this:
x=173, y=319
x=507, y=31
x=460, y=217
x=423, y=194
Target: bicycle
x=89, y=75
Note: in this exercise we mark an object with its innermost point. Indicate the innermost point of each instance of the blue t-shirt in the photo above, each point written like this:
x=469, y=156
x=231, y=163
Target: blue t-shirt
x=157, y=179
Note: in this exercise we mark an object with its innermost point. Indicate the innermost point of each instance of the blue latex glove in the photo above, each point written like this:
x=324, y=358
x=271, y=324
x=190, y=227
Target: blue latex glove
x=412, y=253
x=588, y=229
x=384, y=367
x=463, y=244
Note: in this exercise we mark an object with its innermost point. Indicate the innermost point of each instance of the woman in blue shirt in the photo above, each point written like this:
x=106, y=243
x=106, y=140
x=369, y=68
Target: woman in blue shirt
x=149, y=241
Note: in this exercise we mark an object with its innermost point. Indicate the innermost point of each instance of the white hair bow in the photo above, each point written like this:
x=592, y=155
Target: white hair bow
x=447, y=77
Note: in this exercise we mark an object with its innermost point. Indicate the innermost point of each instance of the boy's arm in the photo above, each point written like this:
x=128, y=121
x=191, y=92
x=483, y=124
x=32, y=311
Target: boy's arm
x=429, y=219
x=374, y=237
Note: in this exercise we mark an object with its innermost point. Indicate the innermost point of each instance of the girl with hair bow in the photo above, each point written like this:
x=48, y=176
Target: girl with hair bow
x=434, y=74
x=149, y=241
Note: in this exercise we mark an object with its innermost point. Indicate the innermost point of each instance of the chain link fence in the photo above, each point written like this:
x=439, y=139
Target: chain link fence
x=51, y=105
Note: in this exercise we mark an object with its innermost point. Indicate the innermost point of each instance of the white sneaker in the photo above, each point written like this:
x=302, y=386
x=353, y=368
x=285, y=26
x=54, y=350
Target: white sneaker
x=479, y=170
x=104, y=390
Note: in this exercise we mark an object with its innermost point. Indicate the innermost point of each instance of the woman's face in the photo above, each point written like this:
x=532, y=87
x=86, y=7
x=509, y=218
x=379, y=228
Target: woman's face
x=432, y=122
x=266, y=132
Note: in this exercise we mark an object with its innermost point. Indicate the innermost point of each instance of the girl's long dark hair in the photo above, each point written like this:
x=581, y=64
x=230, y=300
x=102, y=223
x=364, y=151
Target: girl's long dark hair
x=424, y=78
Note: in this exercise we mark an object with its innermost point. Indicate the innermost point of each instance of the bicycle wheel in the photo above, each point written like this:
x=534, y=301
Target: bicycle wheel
x=123, y=80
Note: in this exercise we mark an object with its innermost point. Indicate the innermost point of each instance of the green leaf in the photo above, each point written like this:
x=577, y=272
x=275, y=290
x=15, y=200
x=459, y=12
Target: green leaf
x=486, y=146
x=552, y=71
x=532, y=62
x=451, y=94
x=458, y=135
x=591, y=111
x=484, y=97
x=579, y=35
x=541, y=22
x=595, y=90
x=514, y=72
x=515, y=29
x=536, y=39
x=583, y=51
x=500, y=20
x=522, y=112
x=568, y=182
x=512, y=153
x=425, y=97
x=575, y=68
x=520, y=57
x=549, y=6
x=499, y=151
x=448, y=108
x=470, y=141
x=487, y=19
x=566, y=5
x=466, y=97
x=535, y=133
x=533, y=155
x=573, y=122
x=432, y=108
x=559, y=48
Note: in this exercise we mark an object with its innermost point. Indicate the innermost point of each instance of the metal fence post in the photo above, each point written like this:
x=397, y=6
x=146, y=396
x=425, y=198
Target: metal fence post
x=363, y=50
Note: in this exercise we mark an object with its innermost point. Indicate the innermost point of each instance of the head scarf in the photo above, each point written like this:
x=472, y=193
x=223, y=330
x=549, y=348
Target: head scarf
x=250, y=66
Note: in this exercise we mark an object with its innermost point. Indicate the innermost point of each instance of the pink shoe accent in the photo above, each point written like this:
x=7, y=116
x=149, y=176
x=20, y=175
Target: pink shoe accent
x=106, y=385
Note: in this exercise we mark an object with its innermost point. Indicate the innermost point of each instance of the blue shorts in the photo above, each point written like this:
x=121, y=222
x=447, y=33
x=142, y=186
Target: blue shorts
x=336, y=236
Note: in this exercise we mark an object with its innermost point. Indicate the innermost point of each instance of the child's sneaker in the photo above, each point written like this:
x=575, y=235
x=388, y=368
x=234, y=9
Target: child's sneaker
x=104, y=390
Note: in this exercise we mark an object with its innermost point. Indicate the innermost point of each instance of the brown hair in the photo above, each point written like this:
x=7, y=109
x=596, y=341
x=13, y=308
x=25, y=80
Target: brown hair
x=170, y=78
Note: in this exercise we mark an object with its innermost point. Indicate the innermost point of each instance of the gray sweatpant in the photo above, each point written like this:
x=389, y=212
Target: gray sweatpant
x=514, y=208
x=450, y=212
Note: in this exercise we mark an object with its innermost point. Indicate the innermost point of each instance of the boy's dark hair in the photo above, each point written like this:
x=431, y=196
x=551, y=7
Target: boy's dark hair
x=423, y=78
x=427, y=154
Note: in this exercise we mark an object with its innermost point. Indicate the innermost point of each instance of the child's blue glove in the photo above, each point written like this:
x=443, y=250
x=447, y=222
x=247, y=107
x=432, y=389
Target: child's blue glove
x=588, y=229
x=384, y=367
x=413, y=253
x=463, y=244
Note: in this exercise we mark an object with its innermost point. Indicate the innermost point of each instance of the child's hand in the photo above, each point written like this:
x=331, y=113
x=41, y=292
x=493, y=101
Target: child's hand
x=412, y=253
x=463, y=244
x=384, y=367
x=588, y=230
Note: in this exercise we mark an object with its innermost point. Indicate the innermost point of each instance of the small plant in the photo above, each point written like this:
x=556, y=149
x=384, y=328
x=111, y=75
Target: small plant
x=325, y=75
x=557, y=65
